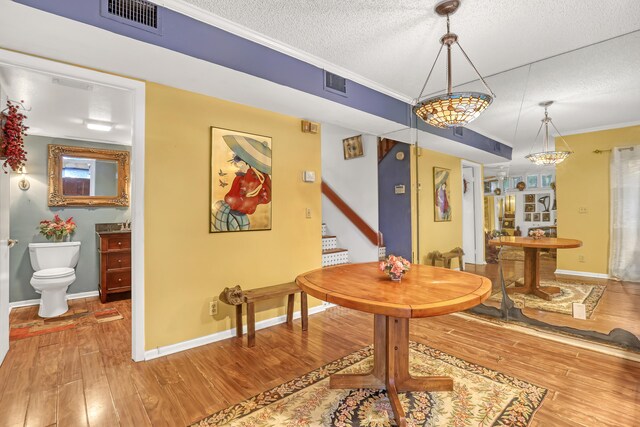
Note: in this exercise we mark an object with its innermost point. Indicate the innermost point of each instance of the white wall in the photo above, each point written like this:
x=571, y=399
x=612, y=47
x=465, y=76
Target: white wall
x=356, y=182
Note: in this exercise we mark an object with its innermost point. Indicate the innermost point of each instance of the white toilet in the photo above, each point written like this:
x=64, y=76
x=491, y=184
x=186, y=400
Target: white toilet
x=54, y=265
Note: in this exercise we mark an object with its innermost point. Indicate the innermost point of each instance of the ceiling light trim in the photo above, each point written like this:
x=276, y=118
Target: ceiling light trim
x=249, y=34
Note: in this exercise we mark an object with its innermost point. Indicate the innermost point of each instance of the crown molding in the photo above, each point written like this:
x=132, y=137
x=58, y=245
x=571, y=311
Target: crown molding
x=249, y=34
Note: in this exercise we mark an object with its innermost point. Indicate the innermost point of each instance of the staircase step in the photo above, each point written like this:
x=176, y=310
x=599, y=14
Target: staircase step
x=329, y=242
x=334, y=256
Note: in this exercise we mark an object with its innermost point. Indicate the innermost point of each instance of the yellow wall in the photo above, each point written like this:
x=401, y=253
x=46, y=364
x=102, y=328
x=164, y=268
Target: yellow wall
x=583, y=182
x=185, y=265
x=440, y=236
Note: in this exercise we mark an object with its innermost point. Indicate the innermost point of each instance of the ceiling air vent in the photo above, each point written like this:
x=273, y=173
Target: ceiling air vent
x=137, y=13
x=335, y=83
x=457, y=131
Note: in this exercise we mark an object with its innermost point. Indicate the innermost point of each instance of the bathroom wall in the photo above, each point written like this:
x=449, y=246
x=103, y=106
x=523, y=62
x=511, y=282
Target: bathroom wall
x=29, y=207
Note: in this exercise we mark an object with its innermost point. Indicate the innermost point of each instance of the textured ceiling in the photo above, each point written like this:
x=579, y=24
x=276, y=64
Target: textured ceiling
x=394, y=42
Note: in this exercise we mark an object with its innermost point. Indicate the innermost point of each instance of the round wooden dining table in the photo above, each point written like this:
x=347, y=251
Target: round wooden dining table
x=423, y=292
x=532, y=248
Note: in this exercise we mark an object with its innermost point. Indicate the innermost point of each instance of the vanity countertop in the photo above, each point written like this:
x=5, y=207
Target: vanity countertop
x=111, y=228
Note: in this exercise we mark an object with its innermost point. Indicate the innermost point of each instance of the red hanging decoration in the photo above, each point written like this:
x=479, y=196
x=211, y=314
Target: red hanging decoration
x=12, y=133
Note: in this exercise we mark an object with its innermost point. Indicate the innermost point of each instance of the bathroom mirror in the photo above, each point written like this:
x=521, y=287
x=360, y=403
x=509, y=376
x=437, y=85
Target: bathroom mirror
x=80, y=176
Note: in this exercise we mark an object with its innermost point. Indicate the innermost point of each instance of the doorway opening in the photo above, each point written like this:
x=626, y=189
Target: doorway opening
x=472, y=213
x=63, y=103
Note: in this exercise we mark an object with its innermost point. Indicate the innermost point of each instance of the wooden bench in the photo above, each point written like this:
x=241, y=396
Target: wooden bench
x=447, y=257
x=252, y=296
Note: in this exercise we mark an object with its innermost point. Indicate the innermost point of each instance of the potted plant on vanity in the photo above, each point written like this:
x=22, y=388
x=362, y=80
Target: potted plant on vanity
x=58, y=229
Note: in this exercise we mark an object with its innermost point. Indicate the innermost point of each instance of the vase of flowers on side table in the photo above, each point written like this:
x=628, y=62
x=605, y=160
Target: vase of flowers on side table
x=395, y=267
x=58, y=229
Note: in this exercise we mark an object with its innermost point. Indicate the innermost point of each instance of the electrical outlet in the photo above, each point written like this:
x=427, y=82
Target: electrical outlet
x=307, y=212
x=581, y=258
x=583, y=210
x=213, y=308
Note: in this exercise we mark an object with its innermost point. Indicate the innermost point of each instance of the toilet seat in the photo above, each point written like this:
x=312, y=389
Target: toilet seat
x=54, y=273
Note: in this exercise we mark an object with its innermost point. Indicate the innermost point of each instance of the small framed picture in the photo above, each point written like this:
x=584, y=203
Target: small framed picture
x=536, y=216
x=529, y=207
x=527, y=217
x=353, y=147
x=546, y=180
x=507, y=223
x=529, y=198
x=532, y=181
x=546, y=216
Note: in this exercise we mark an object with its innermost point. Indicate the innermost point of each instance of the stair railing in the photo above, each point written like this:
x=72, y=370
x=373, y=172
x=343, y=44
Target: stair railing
x=375, y=237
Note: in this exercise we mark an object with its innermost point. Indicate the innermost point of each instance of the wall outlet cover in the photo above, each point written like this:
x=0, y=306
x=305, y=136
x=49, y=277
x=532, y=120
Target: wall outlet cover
x=213, y=308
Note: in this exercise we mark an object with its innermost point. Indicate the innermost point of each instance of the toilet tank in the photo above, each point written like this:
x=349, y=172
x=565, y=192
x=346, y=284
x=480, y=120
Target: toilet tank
x=54, y=255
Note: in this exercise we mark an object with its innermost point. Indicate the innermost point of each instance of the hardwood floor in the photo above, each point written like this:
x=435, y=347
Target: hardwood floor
x=84, y=376
x=618, y=307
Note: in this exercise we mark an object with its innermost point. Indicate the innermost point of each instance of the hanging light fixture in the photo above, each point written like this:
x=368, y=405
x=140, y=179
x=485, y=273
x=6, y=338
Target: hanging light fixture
x=453, y=108
x=548, y=157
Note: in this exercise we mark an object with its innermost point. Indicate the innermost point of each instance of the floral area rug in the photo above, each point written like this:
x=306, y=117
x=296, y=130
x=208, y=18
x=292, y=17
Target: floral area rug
x=69, y=320
x=481, y=398
x=588, y=294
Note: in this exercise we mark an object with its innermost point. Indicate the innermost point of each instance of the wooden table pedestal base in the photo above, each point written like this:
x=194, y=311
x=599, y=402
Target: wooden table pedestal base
x=532, y=278
x=391, y=366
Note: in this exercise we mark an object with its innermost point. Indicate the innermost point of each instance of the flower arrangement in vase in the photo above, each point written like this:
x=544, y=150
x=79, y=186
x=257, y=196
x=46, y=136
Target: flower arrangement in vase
x=395, y=267
x=57, y=229
x=536, y=234
x=12, y=133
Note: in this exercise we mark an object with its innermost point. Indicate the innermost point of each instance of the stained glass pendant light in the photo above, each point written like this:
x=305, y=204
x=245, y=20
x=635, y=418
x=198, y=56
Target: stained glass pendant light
x=452, y=109
x=548, y=157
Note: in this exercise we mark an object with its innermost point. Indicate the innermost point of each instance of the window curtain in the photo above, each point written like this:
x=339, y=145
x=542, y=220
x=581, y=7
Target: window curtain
x=624, y=258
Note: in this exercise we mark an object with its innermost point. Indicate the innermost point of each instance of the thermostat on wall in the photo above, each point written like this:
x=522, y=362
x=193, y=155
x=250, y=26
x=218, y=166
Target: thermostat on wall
x=309, y=176
x=399, y=189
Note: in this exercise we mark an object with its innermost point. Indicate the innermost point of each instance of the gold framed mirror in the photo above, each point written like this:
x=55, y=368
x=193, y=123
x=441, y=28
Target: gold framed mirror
x=82, y=176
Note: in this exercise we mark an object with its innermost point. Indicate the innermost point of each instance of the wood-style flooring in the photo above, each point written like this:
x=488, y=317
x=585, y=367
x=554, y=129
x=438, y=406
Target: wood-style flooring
x=618, y=307
x=84, y=376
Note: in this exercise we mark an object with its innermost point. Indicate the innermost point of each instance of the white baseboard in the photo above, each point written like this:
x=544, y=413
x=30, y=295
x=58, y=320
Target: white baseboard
x=223, y=335
x=583, y=273
x=29, y=302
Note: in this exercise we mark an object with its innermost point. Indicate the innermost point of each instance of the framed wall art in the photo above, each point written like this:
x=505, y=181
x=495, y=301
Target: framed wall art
x=536, y=216
x=352, y=147
x=240, y=181
x=546, y=180
x=527, y=217
x=532, y=181
x=529, y=198
x=442, y=194
x=546, y=216
x=529, y=207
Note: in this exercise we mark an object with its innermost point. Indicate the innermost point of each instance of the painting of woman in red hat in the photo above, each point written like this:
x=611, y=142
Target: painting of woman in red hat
x=240, y=181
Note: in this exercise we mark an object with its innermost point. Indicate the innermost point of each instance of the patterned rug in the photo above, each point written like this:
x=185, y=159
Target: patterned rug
x=481, y=397
x=69, y=320
x=585, y=293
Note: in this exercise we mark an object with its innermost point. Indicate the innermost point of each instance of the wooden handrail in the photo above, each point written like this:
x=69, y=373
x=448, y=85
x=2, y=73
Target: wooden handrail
x=373, y=236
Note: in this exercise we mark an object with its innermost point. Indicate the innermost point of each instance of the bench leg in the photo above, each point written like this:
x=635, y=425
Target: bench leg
x=251, y=324
x=447, y=263
x=290, y=301
x=461, y=263
x=239, y=320
x=304, y=311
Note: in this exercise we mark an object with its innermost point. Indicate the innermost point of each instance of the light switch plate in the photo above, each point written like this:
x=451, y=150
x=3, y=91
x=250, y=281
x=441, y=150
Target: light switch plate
x=309, y=176
x=399, y=189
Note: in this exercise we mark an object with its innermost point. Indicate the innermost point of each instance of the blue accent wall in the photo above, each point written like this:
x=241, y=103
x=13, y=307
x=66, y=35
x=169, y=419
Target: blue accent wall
x=394, y=210
x=197, y=39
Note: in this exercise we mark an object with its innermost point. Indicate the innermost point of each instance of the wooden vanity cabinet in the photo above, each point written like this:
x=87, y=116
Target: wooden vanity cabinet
x=115, y=263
